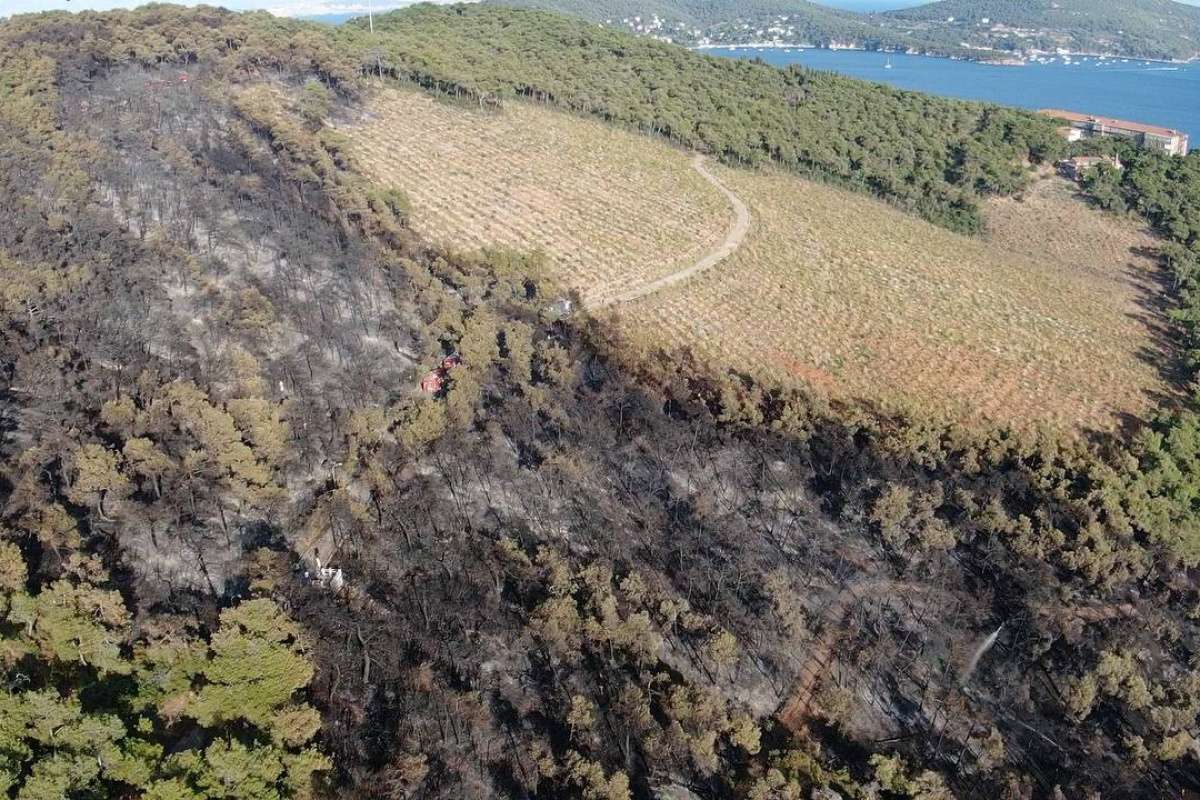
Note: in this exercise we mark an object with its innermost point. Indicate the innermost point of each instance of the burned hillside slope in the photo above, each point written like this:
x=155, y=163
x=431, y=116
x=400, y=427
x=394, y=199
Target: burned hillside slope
x=570, y=570
x=223, y=307
x=606, y=564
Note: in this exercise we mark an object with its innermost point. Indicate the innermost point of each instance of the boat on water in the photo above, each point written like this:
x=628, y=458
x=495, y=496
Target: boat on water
x=888, y=65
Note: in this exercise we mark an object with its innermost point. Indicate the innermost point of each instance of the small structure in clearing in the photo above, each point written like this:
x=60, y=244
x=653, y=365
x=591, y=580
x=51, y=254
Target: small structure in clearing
x=1075, y=168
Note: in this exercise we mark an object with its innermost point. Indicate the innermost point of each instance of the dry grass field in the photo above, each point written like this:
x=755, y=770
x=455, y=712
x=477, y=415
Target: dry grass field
x=610, y=209
x=1043, y=320
x=1047, y=319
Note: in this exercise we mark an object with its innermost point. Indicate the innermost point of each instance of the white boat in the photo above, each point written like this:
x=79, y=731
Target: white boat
x=888, y=65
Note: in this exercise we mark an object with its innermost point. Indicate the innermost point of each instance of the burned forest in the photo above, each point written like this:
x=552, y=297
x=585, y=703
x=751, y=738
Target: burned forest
x=250, y=550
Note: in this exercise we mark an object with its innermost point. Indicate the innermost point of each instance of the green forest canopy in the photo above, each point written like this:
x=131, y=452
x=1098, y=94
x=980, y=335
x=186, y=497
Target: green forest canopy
x=931, y=155
x=90, y=709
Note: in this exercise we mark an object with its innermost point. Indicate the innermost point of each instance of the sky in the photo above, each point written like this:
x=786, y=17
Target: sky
x=283, y=7
x=302, y=7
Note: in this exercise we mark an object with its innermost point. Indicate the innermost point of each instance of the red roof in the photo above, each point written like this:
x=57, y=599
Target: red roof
x=1073, y=116
x=433, y=382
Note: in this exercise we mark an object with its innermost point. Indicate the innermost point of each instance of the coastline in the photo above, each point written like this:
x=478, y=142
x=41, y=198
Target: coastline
x=1007, y=61
x=1107, y=88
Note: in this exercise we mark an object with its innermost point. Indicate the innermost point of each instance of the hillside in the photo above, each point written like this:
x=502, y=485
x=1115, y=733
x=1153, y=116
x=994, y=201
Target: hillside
x=703, y=22
x=612, y=211
x=913, y=317
x=1141, y=28
x=693, y=22
x=864, y=314
x=930, y=155
x=297, y=502
x=688, y=12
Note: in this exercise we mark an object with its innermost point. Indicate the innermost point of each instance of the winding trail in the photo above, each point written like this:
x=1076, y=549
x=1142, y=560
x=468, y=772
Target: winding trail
x=733, y=240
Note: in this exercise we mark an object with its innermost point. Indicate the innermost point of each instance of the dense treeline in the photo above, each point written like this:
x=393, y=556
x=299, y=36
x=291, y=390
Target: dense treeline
x=930, y=155
x=575, y=572
x=1166, y=191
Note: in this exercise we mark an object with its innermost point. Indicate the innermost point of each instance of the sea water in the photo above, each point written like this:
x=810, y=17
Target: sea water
x=1151, y=92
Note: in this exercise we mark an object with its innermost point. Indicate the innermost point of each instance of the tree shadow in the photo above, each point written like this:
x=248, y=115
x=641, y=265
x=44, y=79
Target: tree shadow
x=1162, y=350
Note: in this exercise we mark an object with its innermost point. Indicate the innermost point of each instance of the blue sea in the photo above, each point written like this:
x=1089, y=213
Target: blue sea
x=1149, y=92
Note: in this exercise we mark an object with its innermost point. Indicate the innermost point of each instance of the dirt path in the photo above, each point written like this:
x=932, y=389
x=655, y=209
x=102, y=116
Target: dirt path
x=733, y=240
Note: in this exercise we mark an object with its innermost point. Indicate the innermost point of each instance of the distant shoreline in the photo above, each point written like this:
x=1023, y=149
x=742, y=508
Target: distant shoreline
x=1006, y=61
x=1091, y=83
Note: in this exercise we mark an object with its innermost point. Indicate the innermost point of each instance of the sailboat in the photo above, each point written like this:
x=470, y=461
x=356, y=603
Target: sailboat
x=888, y=65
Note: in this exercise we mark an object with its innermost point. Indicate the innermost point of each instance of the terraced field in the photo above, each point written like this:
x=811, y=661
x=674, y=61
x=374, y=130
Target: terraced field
x=1046, y=320
x=1049, y=319
x=612, y=210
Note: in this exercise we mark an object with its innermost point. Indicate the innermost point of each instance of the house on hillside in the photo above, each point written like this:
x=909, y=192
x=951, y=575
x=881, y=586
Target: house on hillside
x=1150, y=137
x=1075, y=168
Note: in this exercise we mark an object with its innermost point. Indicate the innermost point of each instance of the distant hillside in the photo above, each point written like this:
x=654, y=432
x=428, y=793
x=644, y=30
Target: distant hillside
x=697, y=22
x=691, y=12
x=1144, y=28
x=980, y=29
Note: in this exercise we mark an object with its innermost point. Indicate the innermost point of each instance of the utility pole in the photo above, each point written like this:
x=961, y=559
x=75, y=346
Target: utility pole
x=371, y=15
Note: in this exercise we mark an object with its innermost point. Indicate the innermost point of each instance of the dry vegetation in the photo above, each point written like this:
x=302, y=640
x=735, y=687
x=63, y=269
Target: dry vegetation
x=610, y=209
x=1049, y=319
